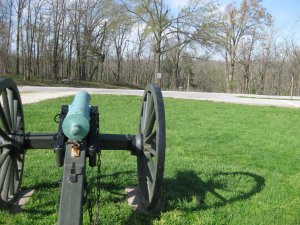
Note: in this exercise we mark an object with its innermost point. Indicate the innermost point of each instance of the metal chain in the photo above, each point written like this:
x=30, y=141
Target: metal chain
x=88, y=199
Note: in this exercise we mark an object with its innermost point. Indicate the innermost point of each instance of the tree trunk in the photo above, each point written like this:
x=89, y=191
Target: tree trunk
x=69, y=66
x=6, y=62
x=262, y=83
x=247, y=79
x=157, y=62
x=19, y=12
x=231, y=72
x=176, y=73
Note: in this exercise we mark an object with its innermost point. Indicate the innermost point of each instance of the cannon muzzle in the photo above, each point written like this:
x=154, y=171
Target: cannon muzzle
x=76, y=125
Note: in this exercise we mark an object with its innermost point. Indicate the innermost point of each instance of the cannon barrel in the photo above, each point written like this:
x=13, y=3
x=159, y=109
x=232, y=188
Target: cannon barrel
x=76, y=125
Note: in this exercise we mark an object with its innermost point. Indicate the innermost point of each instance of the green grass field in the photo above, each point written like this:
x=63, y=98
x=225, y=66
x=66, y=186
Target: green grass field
x=225, y=164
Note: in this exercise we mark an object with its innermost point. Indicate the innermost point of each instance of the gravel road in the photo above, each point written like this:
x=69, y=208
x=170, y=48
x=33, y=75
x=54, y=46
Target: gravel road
x=32, y=94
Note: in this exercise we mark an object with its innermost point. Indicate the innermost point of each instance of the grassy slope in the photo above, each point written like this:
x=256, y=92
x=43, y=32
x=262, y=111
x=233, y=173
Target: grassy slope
x=225, y=164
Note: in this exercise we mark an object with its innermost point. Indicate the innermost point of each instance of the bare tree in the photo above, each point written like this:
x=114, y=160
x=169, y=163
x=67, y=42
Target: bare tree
x=294, y=64
x=238, y=23
x=264, y=64
x=6, y=19
x=20, y=8
x=156, y=15
x=3, y=34
x=140, y=71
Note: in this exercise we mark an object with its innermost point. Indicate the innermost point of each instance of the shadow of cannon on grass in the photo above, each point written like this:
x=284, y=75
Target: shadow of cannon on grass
x=187, y=191
x=191, y=193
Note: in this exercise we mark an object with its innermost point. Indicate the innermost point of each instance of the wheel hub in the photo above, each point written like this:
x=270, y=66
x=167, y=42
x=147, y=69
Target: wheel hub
x=138, y=144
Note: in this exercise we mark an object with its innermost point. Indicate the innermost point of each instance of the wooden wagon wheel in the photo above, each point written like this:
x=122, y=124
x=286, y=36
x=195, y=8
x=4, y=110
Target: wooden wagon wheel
x=11, y=132
x=150, y=161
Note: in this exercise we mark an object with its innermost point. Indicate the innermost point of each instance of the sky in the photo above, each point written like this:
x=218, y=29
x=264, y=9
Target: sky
x=286, y=14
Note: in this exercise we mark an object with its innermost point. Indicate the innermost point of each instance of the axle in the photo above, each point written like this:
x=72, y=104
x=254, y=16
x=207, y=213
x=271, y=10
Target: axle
x=106, y=141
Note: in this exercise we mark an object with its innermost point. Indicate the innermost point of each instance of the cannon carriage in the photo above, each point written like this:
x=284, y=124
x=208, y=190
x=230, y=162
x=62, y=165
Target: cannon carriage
x=78, y=141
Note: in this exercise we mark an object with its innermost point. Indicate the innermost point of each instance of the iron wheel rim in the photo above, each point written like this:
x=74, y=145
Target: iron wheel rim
x=11, y=150
x=150, y=163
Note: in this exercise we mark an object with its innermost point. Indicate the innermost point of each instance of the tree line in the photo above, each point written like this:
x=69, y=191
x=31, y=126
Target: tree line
x=202, y=46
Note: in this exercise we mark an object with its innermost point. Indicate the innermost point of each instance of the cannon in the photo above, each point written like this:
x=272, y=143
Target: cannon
x=77, y=141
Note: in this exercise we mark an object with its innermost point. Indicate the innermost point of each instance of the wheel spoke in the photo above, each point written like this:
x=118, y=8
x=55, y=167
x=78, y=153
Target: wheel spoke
x=7, y=182
x=143, y=120
x=149, y=100
x=16, y=176
x=146, y=105
x=5, y=145
x=16, y=170
x=4, y=120
x=3, y=172
x=148, y=97
x=3, y=156
x=142, y=179
x=150, y=190
x=150, y=105
x=151, y=166
x=151, y=174
x=150, y=123
x=150, y=150
x=11, y=182
x=148, y=139
x=15, y=116
x=11, y=105
x=19, y=120
x=6, y=108
x=4, y=135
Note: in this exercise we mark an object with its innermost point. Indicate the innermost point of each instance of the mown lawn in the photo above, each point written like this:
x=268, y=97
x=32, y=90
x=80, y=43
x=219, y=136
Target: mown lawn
x=225, y=164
